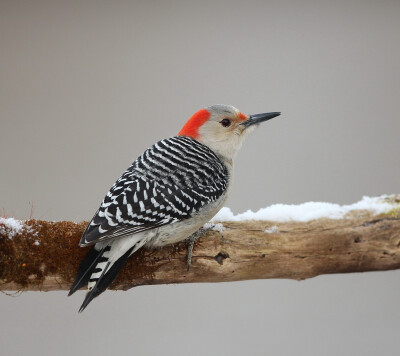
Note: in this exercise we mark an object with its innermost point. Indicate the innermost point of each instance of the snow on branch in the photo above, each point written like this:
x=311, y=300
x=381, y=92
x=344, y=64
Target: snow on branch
x=280, y=241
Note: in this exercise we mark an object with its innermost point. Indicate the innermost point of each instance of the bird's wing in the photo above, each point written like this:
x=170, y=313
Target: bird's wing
x=137, y=202
x=145, y=205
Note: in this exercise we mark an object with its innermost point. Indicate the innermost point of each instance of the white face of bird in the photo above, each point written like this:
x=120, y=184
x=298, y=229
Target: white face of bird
x=223, y=128
x=223, y=132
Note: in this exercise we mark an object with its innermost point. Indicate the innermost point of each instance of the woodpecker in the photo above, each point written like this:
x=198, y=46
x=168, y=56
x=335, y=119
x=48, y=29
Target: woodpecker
x=166, y=195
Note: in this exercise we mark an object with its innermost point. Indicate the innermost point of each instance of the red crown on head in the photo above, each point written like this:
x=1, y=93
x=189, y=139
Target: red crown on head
x=191, y=128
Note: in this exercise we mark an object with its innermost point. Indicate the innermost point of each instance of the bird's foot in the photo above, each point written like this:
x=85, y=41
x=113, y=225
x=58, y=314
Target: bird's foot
x=191, y=241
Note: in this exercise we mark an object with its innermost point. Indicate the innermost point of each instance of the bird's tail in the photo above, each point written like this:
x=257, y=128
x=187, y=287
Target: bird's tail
x=102, y=276
x=86, y=267
x=100, y=267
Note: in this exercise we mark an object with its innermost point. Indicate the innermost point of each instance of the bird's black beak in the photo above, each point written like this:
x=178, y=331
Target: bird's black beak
x=258, y=118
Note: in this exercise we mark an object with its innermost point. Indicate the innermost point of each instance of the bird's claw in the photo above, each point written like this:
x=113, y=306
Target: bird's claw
x=191, y=241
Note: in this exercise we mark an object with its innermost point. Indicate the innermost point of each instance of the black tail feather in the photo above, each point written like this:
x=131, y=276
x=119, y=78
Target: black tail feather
x=85, y=269
x=105, y=279
x=93, y=293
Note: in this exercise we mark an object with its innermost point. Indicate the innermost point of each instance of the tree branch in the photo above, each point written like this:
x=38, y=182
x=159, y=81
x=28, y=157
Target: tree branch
x=45, y=255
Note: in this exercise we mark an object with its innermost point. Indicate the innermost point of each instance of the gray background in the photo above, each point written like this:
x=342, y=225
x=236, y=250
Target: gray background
x=86, y=86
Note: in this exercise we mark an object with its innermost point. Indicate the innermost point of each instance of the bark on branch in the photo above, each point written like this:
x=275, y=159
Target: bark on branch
x=45, y=255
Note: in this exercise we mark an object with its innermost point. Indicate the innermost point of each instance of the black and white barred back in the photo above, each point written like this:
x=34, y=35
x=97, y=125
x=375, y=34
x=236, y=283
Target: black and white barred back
x=169, y=182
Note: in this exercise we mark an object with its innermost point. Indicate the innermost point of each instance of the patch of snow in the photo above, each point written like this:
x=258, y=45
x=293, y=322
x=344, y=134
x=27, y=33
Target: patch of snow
x=307, y=211
x=218, y=227
x=37, y=243
x=215, y=227
x=272, y=230
x=11, y=227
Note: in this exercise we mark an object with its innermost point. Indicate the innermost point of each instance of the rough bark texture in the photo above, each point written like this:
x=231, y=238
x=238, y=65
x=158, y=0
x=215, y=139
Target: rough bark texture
x=45, y=256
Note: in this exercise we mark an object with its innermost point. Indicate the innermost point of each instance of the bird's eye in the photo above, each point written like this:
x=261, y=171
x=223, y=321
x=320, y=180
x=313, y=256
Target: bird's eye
x=225, y=122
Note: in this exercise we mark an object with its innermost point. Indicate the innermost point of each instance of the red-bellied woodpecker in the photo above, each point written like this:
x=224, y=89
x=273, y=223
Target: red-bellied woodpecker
x=166, y=195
